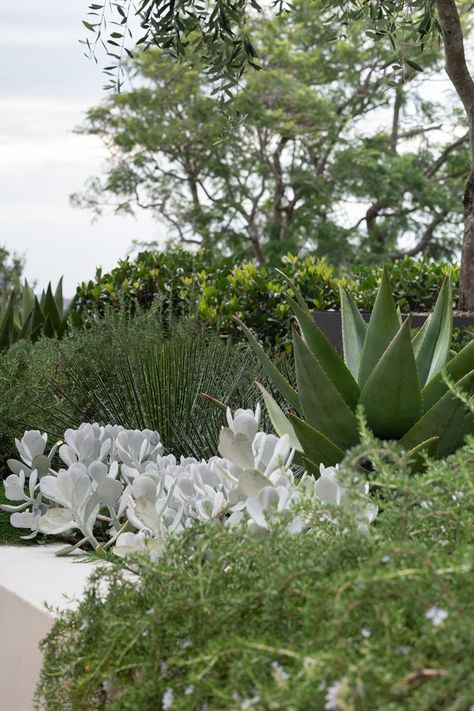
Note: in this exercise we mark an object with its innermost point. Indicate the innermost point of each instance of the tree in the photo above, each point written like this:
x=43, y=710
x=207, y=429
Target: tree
x=280, y=176
x=11, y=269
x=219, y=31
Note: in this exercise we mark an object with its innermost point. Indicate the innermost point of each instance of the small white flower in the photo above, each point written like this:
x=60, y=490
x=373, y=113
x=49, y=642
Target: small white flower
x=189, y=689
x=167, y=700
x=279, y=672
x=365, y=632
x=385, y=558
x=332, y=696
x=437, y=615
x=249, y=703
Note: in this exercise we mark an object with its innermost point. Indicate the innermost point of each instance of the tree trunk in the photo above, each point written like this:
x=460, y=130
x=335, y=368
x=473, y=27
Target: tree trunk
x=461, y=78
x=466, y=282
x=255, y=242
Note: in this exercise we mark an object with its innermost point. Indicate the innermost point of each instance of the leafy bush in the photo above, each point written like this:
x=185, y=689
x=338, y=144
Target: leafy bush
x=26, y=372
x=218, y=289
x=314, y=621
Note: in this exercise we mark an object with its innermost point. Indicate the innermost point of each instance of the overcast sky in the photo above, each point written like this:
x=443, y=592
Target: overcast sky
x=46, y=85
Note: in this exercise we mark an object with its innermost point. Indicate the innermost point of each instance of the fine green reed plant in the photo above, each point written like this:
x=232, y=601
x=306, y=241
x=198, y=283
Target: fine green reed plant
x=397, y=378
x=150, y=370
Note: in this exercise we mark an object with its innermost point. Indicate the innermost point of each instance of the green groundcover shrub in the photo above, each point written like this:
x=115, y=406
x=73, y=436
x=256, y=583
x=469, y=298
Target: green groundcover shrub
x=331, y=619
x=219, y=289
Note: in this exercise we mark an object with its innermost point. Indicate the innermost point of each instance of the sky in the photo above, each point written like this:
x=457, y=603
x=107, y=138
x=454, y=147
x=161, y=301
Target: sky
x=46, y=85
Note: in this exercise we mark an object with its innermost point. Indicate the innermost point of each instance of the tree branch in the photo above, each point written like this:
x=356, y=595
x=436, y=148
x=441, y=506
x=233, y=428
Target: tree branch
x=455, y=58
x=425, y=239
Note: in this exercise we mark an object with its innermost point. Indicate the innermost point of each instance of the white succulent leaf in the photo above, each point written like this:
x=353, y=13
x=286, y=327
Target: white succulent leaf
x=17, y=467
x=41, y=464
x=328, y=490
x=255, y=510
x=237, y=448
x=56, y=521
x=98, y=472
x=26, y=519
x=67, y=455
x=144, y=487
x=31, y=445
x=125, y=473
x=252, y=481
x=244, y=422
x=14, y=486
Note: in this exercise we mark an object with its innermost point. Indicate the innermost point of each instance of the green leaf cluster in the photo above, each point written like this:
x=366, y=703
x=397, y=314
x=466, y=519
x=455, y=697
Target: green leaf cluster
x=25, y=316
x=217, y=289
x=397, y=378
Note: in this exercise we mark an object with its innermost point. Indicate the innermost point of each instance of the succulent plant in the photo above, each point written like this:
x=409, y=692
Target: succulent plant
x=397, y=377
x=25, y=316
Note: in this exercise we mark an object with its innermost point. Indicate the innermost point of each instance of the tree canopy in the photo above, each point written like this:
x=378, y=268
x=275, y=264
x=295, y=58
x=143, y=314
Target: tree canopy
x=218, y=32
x=320, y=153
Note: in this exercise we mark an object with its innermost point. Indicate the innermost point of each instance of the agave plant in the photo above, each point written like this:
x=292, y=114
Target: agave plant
x=24, y=316
x=397, y=377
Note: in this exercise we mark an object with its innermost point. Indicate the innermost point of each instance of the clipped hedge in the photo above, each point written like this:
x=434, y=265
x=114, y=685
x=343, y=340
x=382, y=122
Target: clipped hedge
x=218, y=289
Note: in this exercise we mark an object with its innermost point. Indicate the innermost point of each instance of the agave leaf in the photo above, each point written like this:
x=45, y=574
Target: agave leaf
x=399, y=314
x=7, y=326
x=322, y=405
x=58, y=297
x=316, y=446
x=221, y=405
x=298, y=295
x=448, y=419
x=51, y=312
x=25, y=330
x=354, y=330
x=392, y=396
x=288, y=392
x=326, y=354
x=433, y=348
x=417, y=340
x=37, y=321
x=383, y=326
x=27, y=301
x=311, y=467
x=279, y=420
x=48, y=328
x=456, y=368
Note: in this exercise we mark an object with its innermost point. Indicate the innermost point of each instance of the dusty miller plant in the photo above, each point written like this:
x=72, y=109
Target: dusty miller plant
x=117, y=487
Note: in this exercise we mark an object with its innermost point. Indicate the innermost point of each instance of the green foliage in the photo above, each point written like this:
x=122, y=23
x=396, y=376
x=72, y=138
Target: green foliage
x=11, y=269
x=27, y=372
x=277, y=173
x=395, y=377
x=219, y=290
x=161, y=387
x=281, y=620
x=25, y=316
x=142, y=371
